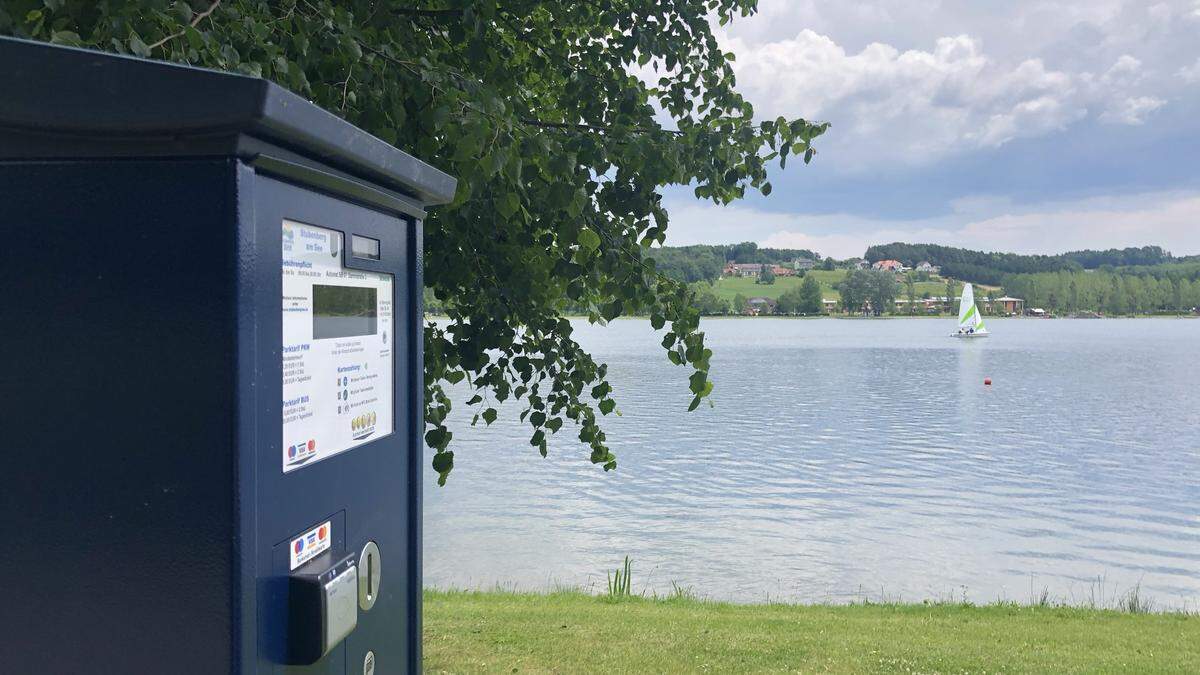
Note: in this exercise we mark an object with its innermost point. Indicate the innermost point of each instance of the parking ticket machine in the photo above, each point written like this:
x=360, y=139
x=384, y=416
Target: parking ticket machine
x=212, y=384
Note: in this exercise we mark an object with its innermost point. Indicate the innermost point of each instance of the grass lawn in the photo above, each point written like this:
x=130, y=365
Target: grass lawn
x=575, y=633
x=728, y=287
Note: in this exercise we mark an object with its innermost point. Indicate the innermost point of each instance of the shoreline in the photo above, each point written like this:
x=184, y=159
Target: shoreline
x=943, y=317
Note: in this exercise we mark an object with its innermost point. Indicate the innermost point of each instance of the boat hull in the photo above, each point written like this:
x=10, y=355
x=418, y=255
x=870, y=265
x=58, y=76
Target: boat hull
x=969, y=335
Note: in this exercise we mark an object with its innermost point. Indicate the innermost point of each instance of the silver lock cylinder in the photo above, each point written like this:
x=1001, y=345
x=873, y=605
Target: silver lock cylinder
x=341, y=616
x=369, y=574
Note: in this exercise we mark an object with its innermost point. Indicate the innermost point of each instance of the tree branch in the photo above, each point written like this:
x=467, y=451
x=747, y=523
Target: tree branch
x=195, y=22
x=432, y=13
x=533, y=122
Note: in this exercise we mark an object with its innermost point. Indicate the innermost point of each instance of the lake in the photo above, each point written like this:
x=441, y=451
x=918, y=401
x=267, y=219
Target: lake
x=844, y=460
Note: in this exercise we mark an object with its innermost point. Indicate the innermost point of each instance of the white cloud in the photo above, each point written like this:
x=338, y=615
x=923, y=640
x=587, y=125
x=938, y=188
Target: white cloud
x=915, y=104
x=1132, y=110
x=1171, y=220
x=1126, y=71
x=1191, y=74
x=950, y=93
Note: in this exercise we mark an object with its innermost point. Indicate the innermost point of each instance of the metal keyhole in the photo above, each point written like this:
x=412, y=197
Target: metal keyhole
x=369, y=564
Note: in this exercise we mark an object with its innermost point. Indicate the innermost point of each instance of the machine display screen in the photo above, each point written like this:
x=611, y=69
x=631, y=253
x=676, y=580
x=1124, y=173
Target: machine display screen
x=344, y=311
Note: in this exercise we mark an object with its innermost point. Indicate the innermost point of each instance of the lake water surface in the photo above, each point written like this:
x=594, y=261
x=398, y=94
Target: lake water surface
x=844, y=459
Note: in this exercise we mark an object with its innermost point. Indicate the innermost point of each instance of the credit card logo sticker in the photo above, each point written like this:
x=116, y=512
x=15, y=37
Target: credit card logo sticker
x=310, y=544
x=300, y=452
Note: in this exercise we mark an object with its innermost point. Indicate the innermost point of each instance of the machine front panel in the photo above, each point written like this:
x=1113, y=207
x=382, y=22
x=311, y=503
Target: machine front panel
x=337, y=343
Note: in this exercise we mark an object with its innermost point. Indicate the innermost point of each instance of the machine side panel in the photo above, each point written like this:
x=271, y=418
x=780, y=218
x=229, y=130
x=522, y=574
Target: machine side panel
x=116, y=325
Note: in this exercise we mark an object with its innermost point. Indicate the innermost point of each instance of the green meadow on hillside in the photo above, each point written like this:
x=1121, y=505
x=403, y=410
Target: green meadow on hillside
x=728, y=287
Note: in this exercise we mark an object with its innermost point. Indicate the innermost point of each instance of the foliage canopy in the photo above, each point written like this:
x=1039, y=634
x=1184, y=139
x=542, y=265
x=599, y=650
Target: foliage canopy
x=559, y=147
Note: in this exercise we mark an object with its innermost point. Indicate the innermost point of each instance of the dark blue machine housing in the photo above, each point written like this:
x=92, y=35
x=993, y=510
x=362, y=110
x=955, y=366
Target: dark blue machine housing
x=146, y=517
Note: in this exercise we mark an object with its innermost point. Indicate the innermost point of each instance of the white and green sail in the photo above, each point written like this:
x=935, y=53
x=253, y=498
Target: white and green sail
x=969, y=318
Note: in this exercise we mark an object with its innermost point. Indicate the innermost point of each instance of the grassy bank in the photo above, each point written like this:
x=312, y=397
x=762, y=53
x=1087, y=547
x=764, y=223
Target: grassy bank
x=577, y=633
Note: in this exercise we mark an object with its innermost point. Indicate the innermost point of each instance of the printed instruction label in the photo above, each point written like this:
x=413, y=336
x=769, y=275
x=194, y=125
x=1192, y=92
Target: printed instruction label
x=311, y=544
x=336, y=349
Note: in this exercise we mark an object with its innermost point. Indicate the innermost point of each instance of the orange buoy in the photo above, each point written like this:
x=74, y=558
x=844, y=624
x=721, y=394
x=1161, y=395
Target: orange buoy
x=987, y=381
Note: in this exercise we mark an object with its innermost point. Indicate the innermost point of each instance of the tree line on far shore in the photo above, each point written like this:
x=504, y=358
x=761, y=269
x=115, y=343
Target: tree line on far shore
x=1164, y=288
x=992, y=268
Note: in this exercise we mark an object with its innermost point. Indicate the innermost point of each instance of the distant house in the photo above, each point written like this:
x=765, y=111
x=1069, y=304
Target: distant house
x=781, y=271
x=1009, y=306
x=830, y=306
x=889, y=266
x=803, y=264
x=735, y=269
x=925, y=266
x=862, y=265
x=757, y=306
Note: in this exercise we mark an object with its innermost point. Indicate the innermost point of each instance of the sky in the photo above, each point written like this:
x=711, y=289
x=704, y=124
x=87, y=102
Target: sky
x=1025, y=126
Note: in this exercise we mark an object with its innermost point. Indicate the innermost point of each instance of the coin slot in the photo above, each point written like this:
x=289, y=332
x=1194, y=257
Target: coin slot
x=370, y=563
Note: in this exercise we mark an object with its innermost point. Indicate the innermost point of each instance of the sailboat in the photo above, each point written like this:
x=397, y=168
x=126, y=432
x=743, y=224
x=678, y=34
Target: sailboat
x=970, y=321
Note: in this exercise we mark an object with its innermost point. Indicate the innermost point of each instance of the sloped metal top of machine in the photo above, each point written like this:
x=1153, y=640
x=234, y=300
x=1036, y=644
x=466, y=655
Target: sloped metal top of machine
x=110, y=104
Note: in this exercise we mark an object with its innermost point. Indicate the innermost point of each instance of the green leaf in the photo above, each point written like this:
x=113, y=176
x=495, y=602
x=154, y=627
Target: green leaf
x=182, y=10
x=489, y=416
x=138, y=47
x=507, y=204
x=443, y=464
x=194, y=39
x=351, y=45
x=230, y=54
x=66, y=37
x=588, y=239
